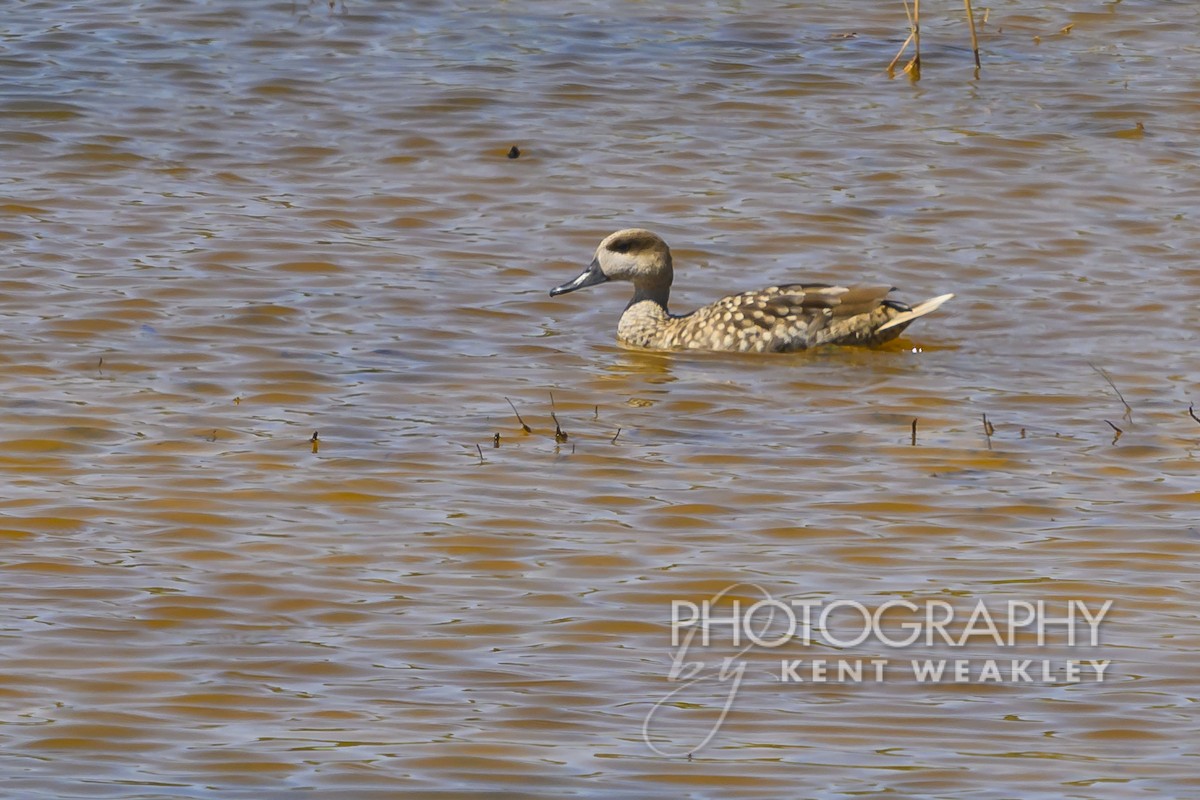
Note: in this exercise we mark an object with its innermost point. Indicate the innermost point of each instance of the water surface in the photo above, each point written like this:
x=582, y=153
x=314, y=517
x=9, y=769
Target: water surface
x=227, y=227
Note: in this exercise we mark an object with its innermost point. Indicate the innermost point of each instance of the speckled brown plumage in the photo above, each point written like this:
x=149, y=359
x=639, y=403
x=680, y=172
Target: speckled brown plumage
x=776, y=319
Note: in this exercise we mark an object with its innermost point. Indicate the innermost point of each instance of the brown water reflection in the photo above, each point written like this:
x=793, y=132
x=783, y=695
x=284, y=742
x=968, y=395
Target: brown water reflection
x=227, y=227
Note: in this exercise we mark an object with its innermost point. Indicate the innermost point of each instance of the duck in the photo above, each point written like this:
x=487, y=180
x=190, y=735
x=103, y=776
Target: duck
x=779, y=319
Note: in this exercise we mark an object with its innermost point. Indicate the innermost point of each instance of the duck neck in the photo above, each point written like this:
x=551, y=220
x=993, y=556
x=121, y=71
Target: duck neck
x=656, y=289
x=658, y=294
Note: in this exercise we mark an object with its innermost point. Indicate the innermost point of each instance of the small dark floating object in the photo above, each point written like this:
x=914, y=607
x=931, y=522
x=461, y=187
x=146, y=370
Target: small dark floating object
x=514, y=152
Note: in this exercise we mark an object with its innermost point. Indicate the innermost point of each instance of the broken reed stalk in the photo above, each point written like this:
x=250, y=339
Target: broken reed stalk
x=618, y=433
x=524, y=427
x=914, y=433
x=891, y=68
x=988, y=430
x=559, y=435
x=1192, y=414
x=974, y=36
x=913, y=67
x=480, y=449
x=1128, y=415
x=1118, y=430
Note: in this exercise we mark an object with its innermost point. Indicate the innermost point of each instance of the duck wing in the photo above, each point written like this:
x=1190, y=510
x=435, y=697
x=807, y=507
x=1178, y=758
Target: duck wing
x=796, y=316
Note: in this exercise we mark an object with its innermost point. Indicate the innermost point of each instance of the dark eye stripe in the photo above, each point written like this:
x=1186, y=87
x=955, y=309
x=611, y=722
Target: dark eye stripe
x=631, y=244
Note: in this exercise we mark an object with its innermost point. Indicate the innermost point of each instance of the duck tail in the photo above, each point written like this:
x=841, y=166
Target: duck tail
x=919, y=310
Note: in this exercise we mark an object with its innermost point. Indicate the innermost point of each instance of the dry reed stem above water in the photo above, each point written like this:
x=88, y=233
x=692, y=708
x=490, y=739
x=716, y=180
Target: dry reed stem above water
x=524, y=427
x=913, y=67
x=989, y=429
x=1128, y=415
x=974, y=36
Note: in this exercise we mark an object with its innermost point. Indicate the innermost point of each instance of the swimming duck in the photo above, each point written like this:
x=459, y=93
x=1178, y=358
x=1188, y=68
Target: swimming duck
x=777, y=319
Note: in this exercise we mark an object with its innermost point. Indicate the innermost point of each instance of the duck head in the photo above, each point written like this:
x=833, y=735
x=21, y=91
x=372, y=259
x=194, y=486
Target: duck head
x=634, y=255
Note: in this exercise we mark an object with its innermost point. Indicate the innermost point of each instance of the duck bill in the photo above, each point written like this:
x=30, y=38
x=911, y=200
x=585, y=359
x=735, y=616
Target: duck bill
x=589, y=277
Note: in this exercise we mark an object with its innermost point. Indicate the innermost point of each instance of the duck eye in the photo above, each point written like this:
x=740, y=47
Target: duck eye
x=621, y=246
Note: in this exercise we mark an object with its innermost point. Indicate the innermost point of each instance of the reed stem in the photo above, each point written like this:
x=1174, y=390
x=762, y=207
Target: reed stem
x=974, y=36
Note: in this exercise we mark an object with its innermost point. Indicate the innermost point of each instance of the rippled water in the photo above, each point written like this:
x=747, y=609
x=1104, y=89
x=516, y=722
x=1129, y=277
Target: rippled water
x=226, y=226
